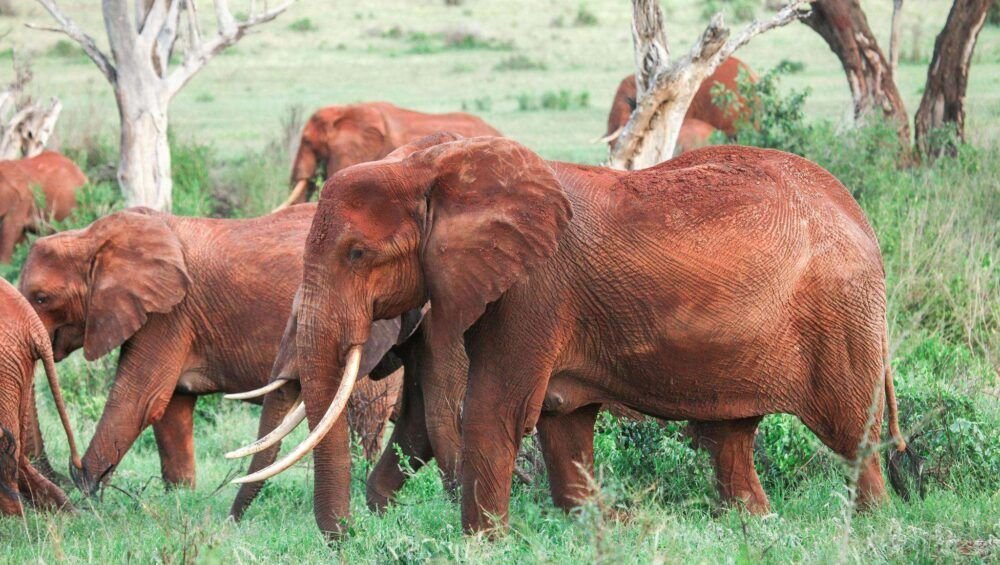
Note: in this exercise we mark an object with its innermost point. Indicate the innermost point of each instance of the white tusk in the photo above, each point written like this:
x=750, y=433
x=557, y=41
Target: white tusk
x=300, y=188
x=610, y=137
x=322, y=428
x=271, y=386
x=287, y=425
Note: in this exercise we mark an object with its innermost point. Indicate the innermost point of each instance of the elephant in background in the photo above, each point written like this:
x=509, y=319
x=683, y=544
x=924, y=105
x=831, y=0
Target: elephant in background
x=336, y=137
x=56, y=176
x=23, y=341
x=721, y=286
x=703, y=117
x=197, y=305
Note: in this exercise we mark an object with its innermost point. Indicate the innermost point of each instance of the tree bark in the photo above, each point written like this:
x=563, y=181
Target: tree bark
x=844, y=27
x=943, y=103
x=894, y=37
x=665, y=88
x=144, y=158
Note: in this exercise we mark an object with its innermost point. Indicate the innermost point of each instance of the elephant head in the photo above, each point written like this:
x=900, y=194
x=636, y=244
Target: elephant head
x=453, y=221
x=335, y=138
x=95, y=288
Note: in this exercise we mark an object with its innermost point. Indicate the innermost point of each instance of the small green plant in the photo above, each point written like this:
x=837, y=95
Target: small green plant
x=584, y=17
x=520, y=62
x=482, y=104
x=205, y=97
x=765, y=116
x=561, y=100
x=66, y=49
x=739, y=10
x=303, y=25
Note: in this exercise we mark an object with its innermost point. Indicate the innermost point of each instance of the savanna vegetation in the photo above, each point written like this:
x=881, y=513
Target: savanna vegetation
x=544, y=74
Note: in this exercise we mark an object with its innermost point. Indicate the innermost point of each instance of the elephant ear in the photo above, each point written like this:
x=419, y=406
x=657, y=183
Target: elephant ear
x=359, y=136
x=137, y=269
x=495, y=212
x=425, y=142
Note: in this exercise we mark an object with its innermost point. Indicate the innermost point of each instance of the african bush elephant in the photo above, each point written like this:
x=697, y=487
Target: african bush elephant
x=719, y=287
x=56, y=176
x=337, y=137
x=703, y=116
x=198, y=306
x=23, y=341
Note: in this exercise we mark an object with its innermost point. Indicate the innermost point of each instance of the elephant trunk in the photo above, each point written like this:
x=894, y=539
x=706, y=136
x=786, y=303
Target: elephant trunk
x=303, y=172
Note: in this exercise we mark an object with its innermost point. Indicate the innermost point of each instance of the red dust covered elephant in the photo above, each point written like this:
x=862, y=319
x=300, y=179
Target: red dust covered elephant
x=703, y=117
x=337, y=137
x=55, y=176
x=198, y=307
x=719, y=287
x=23, y=341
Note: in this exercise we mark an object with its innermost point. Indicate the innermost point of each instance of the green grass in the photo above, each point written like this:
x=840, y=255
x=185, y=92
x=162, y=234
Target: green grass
x=233, y=131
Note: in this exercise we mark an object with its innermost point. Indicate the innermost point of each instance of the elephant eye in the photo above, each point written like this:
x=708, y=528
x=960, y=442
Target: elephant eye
x=40, y=298
x=355, y=253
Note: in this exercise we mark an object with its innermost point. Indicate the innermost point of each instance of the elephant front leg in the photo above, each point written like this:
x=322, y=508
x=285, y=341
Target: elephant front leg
x=497, y=412
x=410, y=434
x=567, y=442
x=42, y=493
x=174, y=434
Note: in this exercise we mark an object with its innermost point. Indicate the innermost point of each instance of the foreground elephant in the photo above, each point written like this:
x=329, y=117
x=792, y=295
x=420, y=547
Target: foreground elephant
x=23, y=341
x=198, y=306
x=56, y=176
x=337, y=137
x=719, y=287
x=703, y=116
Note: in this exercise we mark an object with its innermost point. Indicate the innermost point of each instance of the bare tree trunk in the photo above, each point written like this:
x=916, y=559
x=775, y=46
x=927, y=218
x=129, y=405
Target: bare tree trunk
x=139, y=73
x=943, y=102
x=665, y=89
x=845, y=28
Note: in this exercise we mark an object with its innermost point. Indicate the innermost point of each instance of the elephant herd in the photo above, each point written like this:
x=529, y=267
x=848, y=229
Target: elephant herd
x=514, y=294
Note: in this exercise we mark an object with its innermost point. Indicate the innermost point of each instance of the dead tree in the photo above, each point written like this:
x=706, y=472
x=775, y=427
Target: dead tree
x=25, y=125
x=665, y=89
x=943, y=102
x=844, y=27
x=140, y=72
x=897, y=23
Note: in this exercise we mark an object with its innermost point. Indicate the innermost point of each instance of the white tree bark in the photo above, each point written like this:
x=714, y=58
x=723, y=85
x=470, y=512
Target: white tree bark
x=143, y=81
x=894, y=37
x=665, y=90
x=25, y=126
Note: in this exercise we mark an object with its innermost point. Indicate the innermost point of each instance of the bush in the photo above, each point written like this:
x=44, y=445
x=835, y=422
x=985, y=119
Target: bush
x=520, y=62
x=561, y=100
x=303, y=25
x=770, y=119
x=584, y=17
x=738, y=10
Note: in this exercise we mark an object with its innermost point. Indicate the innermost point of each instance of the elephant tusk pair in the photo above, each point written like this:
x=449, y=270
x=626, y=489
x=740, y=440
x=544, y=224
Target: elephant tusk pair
x=295, y=196
x=322, y=428
x=257, y=392
x=287, y=425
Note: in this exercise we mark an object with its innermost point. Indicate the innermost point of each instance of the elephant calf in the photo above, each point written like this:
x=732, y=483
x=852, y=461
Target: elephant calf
x=56, y=176
x=197, y=305
x=23, y=341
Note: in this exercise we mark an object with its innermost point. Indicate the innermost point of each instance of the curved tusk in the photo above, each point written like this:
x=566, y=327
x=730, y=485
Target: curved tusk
x=322, y=428
x=610, y=137
x=297, y=192
x=257, y=392
x=289, y=423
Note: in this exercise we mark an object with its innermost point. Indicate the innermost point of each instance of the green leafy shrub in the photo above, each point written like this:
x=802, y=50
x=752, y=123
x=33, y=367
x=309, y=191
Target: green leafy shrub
x=520, y=62
x=560, y=100
x=767, y=117
x=303, y=25
x=584, y=17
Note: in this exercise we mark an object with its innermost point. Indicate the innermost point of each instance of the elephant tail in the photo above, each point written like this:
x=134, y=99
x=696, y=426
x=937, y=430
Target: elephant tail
x=43, y=349
x=890, y=398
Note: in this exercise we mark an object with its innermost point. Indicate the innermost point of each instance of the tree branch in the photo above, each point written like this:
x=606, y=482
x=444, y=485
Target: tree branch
x=897, y=22
x=229, y=32
x=650, y=135
x=649, y=39
x=68, y=27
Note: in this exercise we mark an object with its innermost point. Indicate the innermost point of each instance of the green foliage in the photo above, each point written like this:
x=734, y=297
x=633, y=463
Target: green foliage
x=560, y=100
x=767, y=116
x=190, y=168
x=453, y=39
x=66, y=49
x=737, y=10
x=482, y=104
x=303, y=25
x=520, y=62
x=584, y=17
x=993, y=15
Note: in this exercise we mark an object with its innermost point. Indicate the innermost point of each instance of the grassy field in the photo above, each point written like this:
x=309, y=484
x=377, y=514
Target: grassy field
x=937, y=225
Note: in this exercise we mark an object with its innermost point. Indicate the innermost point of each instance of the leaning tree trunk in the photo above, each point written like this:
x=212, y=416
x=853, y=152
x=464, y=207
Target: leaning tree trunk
x=844, y=27
x=943, y=103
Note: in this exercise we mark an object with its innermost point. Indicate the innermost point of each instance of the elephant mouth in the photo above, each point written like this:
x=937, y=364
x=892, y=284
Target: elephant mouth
x=88, y=484
x=63, y=342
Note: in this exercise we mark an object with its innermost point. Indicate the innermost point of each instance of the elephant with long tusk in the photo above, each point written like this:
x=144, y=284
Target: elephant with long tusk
x=721, y=286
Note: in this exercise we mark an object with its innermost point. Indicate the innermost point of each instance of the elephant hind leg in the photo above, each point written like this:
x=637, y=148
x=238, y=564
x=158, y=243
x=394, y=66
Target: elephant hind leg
x=567, y=442
x=174, y=433
x=855, y=436
x=730, y=444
